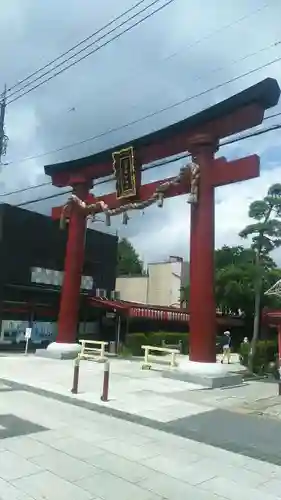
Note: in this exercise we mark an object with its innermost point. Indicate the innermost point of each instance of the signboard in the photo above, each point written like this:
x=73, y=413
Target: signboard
x=28, y=332
x=124, y=169
x=14, y=332
x=53, y=277
x=110, y=315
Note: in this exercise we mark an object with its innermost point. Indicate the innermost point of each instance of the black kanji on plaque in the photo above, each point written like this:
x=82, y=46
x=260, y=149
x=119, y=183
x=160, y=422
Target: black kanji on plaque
x=124, y=168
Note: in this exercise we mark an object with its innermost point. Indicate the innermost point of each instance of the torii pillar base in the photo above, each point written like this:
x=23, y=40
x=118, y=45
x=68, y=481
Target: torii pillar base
x=59, y=350
x=207, y=375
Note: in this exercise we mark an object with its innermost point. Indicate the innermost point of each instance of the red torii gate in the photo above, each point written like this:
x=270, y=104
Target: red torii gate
x=199, y=135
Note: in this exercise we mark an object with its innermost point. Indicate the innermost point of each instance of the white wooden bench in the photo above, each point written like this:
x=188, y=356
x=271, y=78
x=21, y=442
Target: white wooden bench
x=93, y=350
x=148, y=349
x=173, y=346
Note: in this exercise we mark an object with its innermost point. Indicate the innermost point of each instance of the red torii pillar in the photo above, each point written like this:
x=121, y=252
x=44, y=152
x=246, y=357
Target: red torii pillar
x=74, y=260
x=199, y=135
x=202, y=305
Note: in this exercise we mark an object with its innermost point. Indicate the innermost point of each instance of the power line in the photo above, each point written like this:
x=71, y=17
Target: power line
x=274, y=44
x=150, y=115
x=114, y=20
x=83, y=49
x=230, y=25
x=29, y=158
x=232, y=62
x=202, y=77
x=98, y=48
x=27, y=188
x=160, y=163
x=75, y=46
x=168, y=2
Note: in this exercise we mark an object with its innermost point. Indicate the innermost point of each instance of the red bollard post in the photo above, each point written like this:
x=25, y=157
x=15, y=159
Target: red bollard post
x=279, y=374
x=104, y=396
x=74, y=389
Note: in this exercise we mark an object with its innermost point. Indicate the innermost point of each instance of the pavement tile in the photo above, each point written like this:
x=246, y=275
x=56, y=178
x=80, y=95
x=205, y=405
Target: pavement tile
x=9, y=492
x=131, y=452
x=234, y=490
x=13, y=466
x=241, y=475
x=110, y=487
x=76, y=447
x=52, y=436
x=191, y=472
x=47, y=486
x=267, y=470
x=64, y=466
x=272, y=487
x=121, y=467
x=173, y=489
x=24, y=446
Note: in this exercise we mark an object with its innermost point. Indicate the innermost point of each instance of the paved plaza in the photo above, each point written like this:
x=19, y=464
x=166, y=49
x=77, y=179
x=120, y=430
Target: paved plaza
x=155, y=439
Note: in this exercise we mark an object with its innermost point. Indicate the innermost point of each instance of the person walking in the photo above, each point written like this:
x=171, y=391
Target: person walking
x=226, y=343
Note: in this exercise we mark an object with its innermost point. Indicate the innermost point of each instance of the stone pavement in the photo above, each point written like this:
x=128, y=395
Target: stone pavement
x=54, y=450
x=132, y=390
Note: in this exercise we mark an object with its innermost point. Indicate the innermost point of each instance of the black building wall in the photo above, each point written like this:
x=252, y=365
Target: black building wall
x=28, y=239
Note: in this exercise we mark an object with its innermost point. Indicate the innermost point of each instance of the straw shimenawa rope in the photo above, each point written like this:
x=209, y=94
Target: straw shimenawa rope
x=157, y=197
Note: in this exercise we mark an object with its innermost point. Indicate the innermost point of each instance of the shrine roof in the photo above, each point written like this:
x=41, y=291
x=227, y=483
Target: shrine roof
x=265, y=93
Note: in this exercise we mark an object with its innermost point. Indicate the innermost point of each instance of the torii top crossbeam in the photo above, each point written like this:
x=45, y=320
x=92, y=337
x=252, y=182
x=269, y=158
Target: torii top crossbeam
x=240, y=112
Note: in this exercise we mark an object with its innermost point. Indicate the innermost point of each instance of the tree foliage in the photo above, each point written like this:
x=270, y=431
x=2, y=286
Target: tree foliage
x=265, y=234
x=235, y=279
x=235, y=275
x=129, y=261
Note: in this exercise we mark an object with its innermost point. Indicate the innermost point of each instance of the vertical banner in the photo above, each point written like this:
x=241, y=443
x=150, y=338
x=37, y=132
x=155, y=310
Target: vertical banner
x=125, y=171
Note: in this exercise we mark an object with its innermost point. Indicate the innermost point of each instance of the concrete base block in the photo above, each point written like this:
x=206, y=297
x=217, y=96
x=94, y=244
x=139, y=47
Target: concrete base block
x=58, y=350
x=210, y=375
x=209, y=381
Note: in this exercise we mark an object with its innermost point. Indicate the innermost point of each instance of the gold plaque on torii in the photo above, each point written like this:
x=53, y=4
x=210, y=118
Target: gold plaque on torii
x=124, y=169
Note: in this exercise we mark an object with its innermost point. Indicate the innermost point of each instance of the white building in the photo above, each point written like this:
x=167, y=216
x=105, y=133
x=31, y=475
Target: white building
x=161, y=286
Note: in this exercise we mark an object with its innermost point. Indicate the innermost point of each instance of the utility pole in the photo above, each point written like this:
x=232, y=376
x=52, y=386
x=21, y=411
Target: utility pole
x=3, y=137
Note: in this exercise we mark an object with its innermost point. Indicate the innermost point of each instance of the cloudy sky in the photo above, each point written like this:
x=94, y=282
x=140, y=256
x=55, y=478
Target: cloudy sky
x=186, y=48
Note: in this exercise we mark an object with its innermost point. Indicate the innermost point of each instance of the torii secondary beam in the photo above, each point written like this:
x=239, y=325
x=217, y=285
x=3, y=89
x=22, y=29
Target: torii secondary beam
x=224, y=172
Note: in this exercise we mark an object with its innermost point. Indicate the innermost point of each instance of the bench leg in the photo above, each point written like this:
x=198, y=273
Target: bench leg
x=145, y=365
x=146, y=357
x=102, y=352
x=173, y=360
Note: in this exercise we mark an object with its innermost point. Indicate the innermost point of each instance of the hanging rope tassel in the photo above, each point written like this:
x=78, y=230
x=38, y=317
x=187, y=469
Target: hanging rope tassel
x=194, y=183
x=160, y=200
x=63, y=218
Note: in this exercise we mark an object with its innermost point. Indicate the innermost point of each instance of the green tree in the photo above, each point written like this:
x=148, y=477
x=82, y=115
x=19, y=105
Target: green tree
x=128, y=260
x=265, y=234
x=235, y=271
x=235, y=278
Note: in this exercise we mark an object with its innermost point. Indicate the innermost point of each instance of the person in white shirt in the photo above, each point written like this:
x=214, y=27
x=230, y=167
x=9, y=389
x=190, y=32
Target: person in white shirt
x=226, y=343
